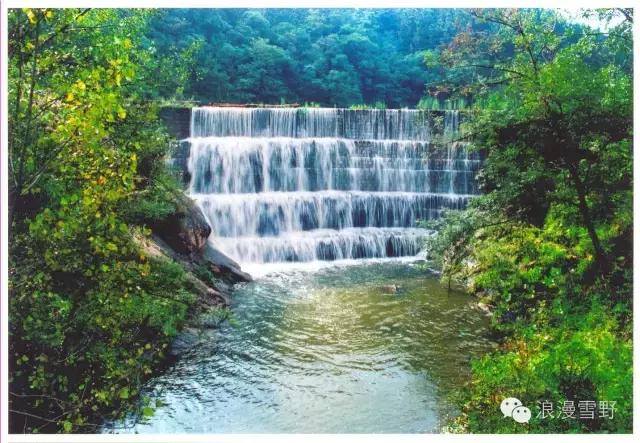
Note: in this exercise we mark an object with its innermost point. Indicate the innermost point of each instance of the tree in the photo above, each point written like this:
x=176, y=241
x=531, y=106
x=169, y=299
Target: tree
x=301, y=55
x=86, y=304
x=559, y=120
x=548, y=244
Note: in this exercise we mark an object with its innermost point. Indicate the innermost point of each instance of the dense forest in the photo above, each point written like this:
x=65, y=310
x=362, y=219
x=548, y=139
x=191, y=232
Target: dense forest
x=547, y=247
x=327, y=57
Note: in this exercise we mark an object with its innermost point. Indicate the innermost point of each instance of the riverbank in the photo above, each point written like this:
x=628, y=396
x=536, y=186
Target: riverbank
x=182, y=237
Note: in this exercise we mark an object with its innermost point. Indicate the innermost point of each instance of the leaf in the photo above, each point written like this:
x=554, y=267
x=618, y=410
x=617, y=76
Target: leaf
x=124, y=393
x=147, y=411
x=31, y=16
x=67, y=426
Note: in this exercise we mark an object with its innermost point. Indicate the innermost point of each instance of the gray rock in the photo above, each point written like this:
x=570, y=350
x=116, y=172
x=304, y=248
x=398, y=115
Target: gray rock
x=177, y=120
x=185, y=341
x=222, y=264
x=186, y=230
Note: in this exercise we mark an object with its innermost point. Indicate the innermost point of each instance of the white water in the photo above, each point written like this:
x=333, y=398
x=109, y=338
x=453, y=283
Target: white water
x=302, y=185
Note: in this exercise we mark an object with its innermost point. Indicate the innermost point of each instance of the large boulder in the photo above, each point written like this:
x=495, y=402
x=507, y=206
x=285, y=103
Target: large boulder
x=186, y=230
x=224, y=266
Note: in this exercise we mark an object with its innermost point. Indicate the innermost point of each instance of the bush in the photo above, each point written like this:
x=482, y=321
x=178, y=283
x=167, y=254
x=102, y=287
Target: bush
x=582, y=358
x=81, y=346
x=565, y=329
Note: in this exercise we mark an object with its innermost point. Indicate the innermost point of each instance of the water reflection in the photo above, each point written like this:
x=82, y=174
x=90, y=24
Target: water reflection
x=330, y=351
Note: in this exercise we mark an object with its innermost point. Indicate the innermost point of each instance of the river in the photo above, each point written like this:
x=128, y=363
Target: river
x=324, y=207
x=332, y=349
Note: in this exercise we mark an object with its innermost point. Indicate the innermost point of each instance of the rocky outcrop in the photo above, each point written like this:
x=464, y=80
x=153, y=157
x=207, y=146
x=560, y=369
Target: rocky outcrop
x=223, y=265
x=183, y=237
x=186, y=230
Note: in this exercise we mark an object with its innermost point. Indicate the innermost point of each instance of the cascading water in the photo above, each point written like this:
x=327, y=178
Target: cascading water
x=282, y=185
x=329, y=350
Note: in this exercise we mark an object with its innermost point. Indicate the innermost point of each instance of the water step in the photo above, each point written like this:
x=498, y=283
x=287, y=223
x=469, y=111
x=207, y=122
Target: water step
x=327, y=245
x=335, y=145
x=273, y=213
x=311, y=122
x=325, y=184
x=241, y=165
x=344, y=179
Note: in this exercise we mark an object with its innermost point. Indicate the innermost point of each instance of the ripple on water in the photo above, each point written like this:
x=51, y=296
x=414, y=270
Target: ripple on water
x=327, y=351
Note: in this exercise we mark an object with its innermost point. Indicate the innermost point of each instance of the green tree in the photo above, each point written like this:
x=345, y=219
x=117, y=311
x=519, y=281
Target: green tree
x=89, y=312
x=558, y=129
x=548, y=245
x=331, y=56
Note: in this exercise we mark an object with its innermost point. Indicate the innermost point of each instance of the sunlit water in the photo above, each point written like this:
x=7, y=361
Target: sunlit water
x=327, y=351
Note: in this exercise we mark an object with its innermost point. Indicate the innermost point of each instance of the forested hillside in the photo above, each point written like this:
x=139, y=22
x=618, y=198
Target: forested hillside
x=324, y=56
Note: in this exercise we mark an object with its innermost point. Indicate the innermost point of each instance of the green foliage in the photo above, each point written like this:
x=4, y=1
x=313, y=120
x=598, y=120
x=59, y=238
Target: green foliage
x=433, y=104
x=204, y=273
x=376, y=105
x=156, y=189
x=334, y=57
x=548, y=245
x=90, y=315
x=567, y=337
x=582, y=358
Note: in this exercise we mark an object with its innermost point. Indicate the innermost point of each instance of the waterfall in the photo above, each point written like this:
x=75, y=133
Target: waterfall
x=286, y=184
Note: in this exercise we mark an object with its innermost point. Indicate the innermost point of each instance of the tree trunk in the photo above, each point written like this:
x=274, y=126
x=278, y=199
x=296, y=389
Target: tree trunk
x=601, y=259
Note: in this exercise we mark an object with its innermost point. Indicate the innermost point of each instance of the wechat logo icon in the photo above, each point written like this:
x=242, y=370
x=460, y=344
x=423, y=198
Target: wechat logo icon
x=512, y=407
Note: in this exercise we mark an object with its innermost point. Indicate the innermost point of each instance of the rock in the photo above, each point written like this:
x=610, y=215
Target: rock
x=186, y=340
x=484, y=308
x=213, y=318
x=223, y=265
x=177, y=120
x=218, y=298
x=186, y=233
x=186, y=230
x=390, y=289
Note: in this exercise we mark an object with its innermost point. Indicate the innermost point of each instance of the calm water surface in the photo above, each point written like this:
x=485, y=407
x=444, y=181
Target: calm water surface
x=327, y=351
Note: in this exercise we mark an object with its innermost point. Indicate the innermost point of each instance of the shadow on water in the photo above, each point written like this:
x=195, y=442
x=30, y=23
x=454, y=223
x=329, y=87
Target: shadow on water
x=367, y=348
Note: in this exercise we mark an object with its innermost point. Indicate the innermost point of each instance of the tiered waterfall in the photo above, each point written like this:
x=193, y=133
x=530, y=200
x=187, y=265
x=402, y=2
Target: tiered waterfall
x=306, y=184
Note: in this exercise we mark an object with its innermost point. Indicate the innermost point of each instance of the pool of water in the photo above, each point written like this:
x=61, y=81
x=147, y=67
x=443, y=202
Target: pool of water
x=330, y=350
